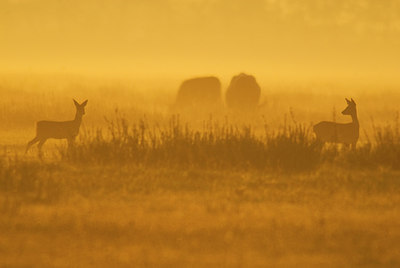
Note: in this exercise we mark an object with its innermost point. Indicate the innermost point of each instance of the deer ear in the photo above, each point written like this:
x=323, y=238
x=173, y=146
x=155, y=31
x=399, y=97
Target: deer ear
x=84, y=103
x=347, y=100
x=75, y=102
x=353, y=101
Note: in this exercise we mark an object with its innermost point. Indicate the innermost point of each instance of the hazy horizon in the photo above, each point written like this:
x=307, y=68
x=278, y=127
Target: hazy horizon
x=355, y=40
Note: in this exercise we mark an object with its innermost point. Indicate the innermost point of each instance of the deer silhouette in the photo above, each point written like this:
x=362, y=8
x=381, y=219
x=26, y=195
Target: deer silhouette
x=340, y=133
x=58, y=130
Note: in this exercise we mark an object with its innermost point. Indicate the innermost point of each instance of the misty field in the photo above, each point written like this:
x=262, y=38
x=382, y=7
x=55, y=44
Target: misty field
x=146, y=186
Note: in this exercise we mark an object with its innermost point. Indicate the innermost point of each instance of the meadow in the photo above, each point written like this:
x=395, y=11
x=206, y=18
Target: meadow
x=146, y=186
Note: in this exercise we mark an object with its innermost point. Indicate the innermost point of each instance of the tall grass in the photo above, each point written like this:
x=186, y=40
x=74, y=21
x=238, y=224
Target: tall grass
x=28, y=182
x=223, y=145
x=216, y=145
x=387, y=149
x=383, y=150
x=293, y=149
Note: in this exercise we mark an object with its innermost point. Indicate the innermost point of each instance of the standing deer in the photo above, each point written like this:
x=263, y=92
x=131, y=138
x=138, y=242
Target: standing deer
x=59, y=130
x=340, y=133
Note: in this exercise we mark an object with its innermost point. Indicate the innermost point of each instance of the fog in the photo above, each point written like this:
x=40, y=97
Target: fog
x=199, y=133
x=334, y=39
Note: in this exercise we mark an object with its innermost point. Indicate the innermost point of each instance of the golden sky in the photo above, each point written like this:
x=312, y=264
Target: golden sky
x=283, y=38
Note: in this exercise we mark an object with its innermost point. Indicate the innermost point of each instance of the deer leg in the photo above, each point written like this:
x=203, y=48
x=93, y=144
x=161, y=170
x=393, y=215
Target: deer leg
x=346, y=146
x=320, y=143
x=353, y=146
x=32, y=142
x=40, y=145
x=71, y=143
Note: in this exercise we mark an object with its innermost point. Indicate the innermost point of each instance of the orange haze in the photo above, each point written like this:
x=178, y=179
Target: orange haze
x=273, y=38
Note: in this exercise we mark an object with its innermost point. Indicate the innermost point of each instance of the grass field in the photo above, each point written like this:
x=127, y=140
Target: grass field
x=144, y=187
x=61, y=215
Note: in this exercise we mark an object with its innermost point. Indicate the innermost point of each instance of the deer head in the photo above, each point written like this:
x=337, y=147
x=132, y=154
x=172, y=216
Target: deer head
x=80, y=108
x=351, y=107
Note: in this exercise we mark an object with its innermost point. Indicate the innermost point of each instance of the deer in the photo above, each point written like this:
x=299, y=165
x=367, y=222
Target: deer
x=58, y=130
x=346, y=134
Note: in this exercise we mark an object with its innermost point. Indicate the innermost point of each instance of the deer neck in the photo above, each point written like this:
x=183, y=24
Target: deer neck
x=78, y=119
x=354, y=118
